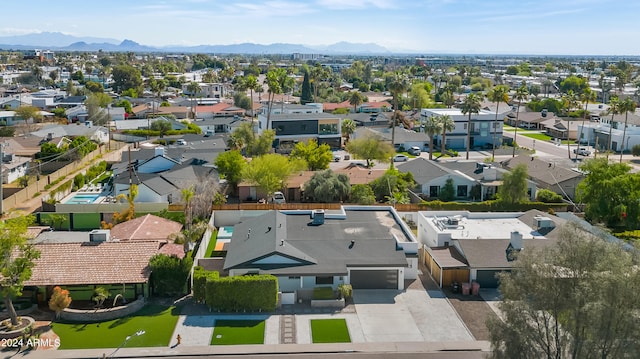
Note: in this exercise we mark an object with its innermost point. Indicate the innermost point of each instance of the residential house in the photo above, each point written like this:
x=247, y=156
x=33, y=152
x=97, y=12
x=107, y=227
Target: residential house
x=365, y=107
x=210, y=90
x=177, y=112
x=471, y=180
x=548, y=175
x=70, y=101
x=404, y=139
x=369, y=247
x=561, y=129
x=14, y=167
x=221, y=109
x=461, y=246
x=77, y=114
x=371, y=119
x=294, y=127
x=146, y=228
x=483, y=126
x=597, y=133
x=97, y=134
x=528, y=119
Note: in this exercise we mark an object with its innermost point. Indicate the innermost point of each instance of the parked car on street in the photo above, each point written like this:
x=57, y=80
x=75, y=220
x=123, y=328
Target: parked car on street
x=582, y=151
x=400, y=158
x=278, y=197
x=414, y=150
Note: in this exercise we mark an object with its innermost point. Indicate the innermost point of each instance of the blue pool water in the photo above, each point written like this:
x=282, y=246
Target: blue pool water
x=82, y=199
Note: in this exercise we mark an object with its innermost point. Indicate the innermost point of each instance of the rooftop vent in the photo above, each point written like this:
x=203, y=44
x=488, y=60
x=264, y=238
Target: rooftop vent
x=317, y=216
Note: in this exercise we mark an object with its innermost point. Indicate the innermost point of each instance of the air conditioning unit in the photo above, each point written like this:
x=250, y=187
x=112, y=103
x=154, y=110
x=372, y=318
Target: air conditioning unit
x=99, y=235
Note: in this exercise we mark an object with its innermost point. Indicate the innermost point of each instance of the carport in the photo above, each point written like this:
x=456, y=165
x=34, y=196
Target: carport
x=446, y=265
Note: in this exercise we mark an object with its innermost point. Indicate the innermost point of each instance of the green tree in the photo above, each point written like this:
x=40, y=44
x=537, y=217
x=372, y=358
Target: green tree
x=187, y=197
x=278, y=82
x=522, y=93
x=348, y=128
x=627, y=105
x=574, y=83
x=162, y=126
x=17, y=258
x=230, y=165
x=635, y=150
x=471, y=105
x=306, y=96
x=317, y=157
x=610, y=193
x=548, y=196
x=432, y=126
x=125, y=104
x=370, y=148
x=362, y=194
x=448, y=191
x=80, y=147
x=419, y=95
x=96, y=104
x=498, y=94
x=327, y=187
x=392, y=182
x=355, y=100
x=27, y=113
x=93, y=86
x=514, y=186
x=447, y=125
x=576, y=298
x=270, y=172
x=126, y=77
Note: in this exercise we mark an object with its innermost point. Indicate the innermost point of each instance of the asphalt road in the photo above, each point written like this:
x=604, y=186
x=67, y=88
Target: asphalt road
x=394, y=355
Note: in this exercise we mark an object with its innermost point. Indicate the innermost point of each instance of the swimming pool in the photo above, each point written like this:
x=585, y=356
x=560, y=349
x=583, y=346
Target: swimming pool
x=82, y=199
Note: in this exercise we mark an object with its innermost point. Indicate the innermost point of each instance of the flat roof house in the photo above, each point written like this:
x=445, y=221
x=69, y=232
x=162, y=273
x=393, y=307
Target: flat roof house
x=365, y=246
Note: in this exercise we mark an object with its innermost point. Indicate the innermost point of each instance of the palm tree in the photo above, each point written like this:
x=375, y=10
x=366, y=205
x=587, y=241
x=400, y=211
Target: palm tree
x=586, y=97
x=397, y=86
x=348, y=128
x=446, y=125
x=614, y=109
x=448, y=99
x=570, y=101
x=627, y=105
x=432, y=127
x=470, y=106
x=522, y=93
x=497, y=95
x=187, y=196
x=193, y=89
x=355, y=99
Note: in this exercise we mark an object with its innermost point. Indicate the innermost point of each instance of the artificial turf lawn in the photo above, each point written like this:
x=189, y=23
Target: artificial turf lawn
x=157, y=321
x=538, y=136
x=212, y=244
x=329, y=331
x=234, y=332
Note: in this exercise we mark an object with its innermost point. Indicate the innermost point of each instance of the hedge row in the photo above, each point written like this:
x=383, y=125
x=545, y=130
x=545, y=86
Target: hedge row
x=492, y=206
x=234, y=294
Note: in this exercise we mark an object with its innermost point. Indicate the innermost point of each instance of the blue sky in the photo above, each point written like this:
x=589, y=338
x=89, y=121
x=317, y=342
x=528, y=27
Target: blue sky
x=554, y=27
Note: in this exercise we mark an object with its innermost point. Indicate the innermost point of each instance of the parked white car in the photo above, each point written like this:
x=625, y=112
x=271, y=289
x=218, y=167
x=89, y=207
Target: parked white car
x=400, y=158
x=582, y=151
x=278, y=197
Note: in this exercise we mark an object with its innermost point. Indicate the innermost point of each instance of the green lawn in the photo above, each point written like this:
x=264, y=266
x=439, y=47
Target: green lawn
x=406, y=154
x=538, y=136
x=212, y=244
x=157, y=321
x=329, y=331
x=233, y=332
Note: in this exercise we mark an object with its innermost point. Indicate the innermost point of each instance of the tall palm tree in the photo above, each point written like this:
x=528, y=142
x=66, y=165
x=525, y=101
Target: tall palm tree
x=522, y=93
x=355, y=99
x=470, y=106
x=497, y=94
x=397, y=86
x=627, y=105
x=432, y=127
x=187, y=196
x=446, y=125
x=586, y=97
x=570, y=101
x=614, y=109
x=193, y=89
x=348, y=128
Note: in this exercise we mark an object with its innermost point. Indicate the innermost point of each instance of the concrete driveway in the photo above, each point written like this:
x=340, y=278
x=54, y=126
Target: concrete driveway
x=404, y=316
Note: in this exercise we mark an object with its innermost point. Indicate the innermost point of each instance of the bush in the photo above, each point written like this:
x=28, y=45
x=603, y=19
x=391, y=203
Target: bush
x=635, y=150
x=345, y=290
x=323, y=293
x=242, y=293
x=78, y=180
x=490, y=206
x=547, y=196
x=200, y=277
x=169, y=273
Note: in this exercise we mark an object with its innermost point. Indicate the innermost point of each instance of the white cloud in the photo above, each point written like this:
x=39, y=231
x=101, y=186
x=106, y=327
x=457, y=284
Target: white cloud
x=12, y=31
x=356, y=4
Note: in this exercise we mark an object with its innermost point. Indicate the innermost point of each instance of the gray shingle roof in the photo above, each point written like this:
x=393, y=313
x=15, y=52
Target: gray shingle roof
x=423, y=170
x=542, y=171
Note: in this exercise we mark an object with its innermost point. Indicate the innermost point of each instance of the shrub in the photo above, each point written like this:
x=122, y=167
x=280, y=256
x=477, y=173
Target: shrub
x=547, y=196
x=242, y=293
x=345, y=290
x=635, y=150
x=323, y=293
x=60, y=300
x=78, y=180
x=100, y=294
x=200, y=277
x=169, y=273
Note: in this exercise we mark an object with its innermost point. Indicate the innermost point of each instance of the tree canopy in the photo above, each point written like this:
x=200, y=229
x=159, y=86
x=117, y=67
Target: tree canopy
x=370, y=148
x=316, y=156
x=514, y=186
x=126, y=77
x=230, y=165
x=270, y=172
x=16, y=260
x=327, y=187
x=577, y=298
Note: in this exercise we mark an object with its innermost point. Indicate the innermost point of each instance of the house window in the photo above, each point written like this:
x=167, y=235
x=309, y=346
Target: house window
x=433, y=191
x=328, y=129
x=324, y=280
x=294, y=277
x=462, y=191
x=465, y=126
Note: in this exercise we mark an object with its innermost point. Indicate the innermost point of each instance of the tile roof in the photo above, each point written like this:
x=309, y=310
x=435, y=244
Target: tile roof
x=93, y=263
x=172, y=249
x=148, y=227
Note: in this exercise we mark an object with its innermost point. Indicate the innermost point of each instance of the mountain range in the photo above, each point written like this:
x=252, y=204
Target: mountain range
x=62, y=42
